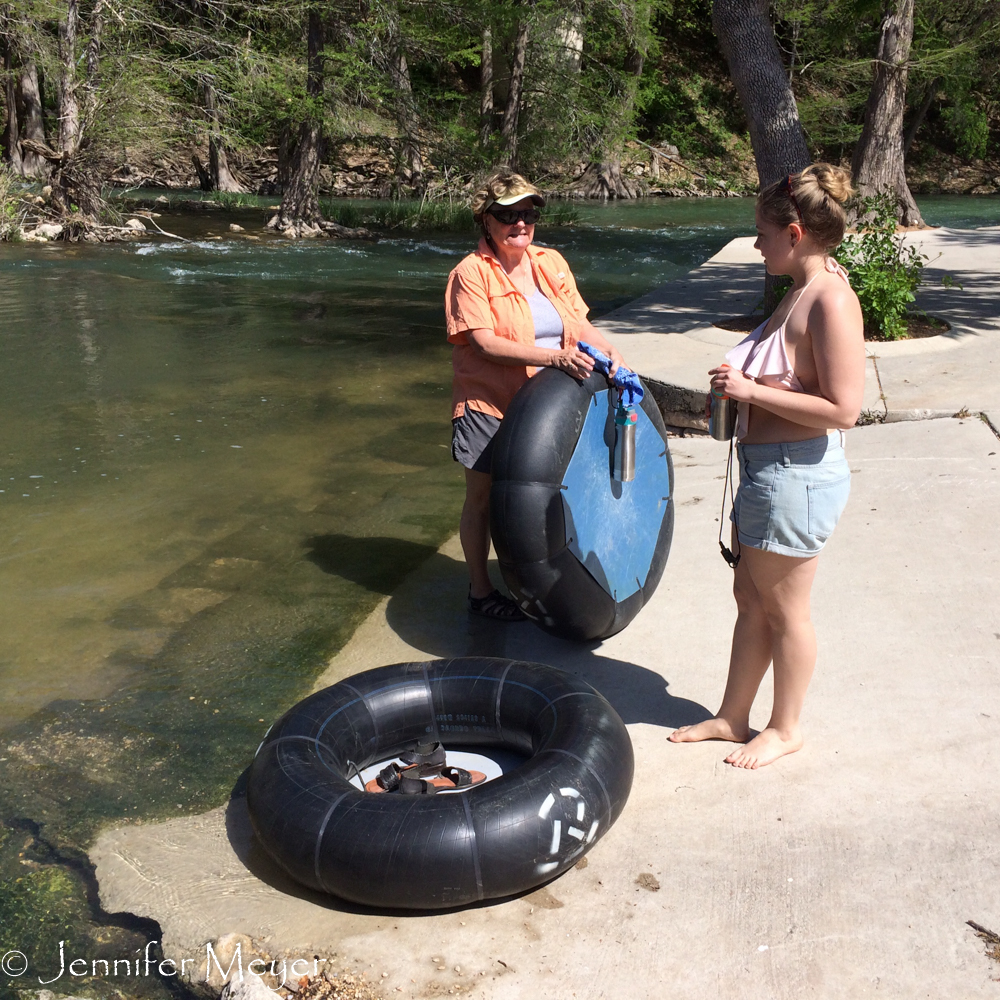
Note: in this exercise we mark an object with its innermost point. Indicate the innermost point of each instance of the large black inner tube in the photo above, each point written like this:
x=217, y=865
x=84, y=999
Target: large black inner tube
x=396, y=851
x=580, y=552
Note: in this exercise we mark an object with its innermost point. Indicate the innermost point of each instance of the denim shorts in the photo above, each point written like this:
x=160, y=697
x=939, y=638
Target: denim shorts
x=791, y=495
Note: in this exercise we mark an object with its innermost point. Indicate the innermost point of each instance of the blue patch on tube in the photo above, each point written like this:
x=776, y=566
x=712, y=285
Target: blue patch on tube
x=612, y=527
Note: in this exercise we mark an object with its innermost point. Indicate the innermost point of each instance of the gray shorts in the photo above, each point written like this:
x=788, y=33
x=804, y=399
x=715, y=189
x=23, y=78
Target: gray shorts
x=791, y=495
x=472, y=439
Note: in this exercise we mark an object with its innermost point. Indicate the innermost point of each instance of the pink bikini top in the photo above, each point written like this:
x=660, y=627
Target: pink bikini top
x=767, y=361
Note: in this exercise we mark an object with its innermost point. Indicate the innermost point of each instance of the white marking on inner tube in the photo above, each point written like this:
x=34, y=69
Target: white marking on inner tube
x=574, y=832
x=546, y=866
x=556, y=836
x=550, y=801
x=570, y=793
x=581, y=808
x=593, y=830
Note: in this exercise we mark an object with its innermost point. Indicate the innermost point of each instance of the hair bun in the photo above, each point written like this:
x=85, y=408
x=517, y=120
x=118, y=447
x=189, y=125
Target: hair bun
x=835, y=181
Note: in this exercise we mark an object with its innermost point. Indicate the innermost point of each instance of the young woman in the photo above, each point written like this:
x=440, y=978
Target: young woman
x=510, y=308
x=799, y=380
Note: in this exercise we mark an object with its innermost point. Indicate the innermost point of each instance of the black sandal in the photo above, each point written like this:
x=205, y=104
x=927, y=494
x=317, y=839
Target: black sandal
x=497, y=607
x=424, y=760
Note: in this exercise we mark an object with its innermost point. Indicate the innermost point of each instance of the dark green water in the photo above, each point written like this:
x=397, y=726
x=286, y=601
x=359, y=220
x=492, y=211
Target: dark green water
x=217, y=456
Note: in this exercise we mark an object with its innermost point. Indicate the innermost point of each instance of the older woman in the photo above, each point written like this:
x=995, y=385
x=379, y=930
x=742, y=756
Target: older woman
x=511, y=308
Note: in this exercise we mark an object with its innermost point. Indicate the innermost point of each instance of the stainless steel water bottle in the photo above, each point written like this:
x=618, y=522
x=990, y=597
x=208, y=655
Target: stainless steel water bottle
x=625, y=422
x=722, y=416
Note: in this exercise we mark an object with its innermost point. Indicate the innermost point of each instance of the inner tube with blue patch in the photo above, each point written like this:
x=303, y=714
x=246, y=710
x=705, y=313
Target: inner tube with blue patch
x=580, y=551
x=495, y=839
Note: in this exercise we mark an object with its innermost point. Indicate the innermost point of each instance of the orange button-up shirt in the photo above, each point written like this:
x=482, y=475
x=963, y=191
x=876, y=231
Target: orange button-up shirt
x=481, y=296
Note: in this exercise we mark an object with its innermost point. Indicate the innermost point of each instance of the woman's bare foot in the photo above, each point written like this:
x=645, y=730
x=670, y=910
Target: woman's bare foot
x=765, y=748
x=711, y=729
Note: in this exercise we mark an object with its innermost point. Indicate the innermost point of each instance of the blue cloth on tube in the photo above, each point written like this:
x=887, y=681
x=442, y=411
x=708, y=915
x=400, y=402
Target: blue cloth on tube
x=624, y=379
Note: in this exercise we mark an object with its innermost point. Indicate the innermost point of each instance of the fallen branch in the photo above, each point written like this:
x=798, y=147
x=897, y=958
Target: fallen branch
x=173, y=236
x=984, y=932
x=674, y=159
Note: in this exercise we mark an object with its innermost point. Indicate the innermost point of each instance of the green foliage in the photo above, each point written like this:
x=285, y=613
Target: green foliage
x=970, y=128
x=884, y=272
x=39, y=907
x=10, y=229
x=439, y=216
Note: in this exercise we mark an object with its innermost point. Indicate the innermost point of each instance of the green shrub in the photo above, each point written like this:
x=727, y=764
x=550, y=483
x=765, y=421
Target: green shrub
x=884, y=272
x=970, y=127
x=10, y=228
x=437, y=216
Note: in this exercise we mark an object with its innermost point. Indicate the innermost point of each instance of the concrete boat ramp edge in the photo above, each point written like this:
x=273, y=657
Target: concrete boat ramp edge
x=849, y=869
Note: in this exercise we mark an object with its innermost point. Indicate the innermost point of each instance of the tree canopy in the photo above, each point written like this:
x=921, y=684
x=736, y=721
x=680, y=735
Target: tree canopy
x=421, y=92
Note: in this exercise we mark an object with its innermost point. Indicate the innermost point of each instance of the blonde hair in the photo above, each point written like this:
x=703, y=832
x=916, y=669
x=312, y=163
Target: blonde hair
x=815, y=198
x=501, y=184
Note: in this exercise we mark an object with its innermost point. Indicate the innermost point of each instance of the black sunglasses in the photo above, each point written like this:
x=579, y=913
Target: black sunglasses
x=510, y=216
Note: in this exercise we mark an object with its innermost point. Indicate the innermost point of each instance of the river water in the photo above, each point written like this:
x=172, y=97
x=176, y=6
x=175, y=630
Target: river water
x=216, y=457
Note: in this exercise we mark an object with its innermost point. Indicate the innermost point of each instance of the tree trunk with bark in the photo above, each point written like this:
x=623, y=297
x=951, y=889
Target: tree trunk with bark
x=486, y=88
x=299, y=213
x=29, y=104
x=878, y=162
x=11, y=139
x=77, y=182
x=69, y=107
x=220, y=177
x=747, y=40
x=410, y=167
x=746, y=37
x=512, y=110
x=919, y=115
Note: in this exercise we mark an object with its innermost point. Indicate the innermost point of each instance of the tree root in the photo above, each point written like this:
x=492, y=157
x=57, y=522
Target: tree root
x=304, y=229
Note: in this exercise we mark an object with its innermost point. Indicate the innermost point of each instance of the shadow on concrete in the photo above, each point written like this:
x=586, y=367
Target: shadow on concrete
x=987, y=236
x=975, y=304
x=429, y=613
x=708, y=293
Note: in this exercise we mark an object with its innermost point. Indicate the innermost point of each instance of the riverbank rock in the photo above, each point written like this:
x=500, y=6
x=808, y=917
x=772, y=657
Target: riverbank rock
x=136, y=224
x=50, y=230
x=249, y=988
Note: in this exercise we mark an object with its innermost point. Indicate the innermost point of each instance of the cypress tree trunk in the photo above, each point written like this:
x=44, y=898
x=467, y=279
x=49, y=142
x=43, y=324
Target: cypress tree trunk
x=29, y=101
x=11, y=139
x=299, y=214
x=512, y=111
x=486, y=88
x=69, y=108
x=410, y=168
x=220, y=177
x=747, y=40
x=78, y=181
x=285, y=146
x=877, y=165
x=779, y=146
